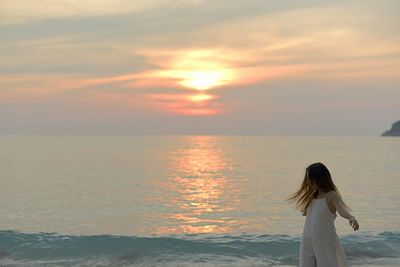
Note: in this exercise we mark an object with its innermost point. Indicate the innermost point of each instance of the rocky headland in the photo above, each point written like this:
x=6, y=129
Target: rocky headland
x=394, y=131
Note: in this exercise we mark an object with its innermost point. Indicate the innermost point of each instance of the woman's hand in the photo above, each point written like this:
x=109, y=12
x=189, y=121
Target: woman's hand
x=353, y=223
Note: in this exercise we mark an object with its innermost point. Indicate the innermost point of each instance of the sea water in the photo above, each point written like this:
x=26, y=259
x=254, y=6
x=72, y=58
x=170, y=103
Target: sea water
x=188, y=200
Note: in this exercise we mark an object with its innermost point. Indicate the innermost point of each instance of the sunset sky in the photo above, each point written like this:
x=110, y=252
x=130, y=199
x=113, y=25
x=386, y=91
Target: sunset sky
x=199, y=67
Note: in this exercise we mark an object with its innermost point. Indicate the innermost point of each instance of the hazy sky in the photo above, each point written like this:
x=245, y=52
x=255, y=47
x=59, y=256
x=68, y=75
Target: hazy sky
x=199, y=67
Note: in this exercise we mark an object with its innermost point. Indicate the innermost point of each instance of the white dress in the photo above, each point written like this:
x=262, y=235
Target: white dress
x=320, y=244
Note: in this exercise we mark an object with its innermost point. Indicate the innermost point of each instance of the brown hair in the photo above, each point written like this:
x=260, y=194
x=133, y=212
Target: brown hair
x=317, y=178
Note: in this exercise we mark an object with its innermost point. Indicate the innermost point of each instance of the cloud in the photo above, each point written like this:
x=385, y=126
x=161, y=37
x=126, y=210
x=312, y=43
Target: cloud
x=25, y=11
x=149, y=53
x=259, y=36
x=188, y=104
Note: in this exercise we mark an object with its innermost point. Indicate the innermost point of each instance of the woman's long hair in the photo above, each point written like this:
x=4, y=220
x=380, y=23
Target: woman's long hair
x=317, y=178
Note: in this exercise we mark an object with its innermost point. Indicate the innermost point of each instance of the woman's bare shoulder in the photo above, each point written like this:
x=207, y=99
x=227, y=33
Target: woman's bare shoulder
x=332, y=195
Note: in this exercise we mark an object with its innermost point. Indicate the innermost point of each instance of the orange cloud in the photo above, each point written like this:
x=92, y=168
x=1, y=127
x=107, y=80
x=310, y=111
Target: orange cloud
x=188, y=104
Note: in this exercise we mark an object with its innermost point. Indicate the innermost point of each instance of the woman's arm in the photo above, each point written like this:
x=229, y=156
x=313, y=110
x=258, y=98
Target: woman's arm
x=337, y=201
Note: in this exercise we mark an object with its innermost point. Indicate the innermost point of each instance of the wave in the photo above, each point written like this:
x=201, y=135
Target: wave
x=52, y=249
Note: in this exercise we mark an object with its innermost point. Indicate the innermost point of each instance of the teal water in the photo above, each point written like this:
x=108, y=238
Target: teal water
x=196, y=188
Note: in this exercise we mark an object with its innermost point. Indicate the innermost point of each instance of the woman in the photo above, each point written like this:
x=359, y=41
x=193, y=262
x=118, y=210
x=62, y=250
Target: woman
x=318, y=199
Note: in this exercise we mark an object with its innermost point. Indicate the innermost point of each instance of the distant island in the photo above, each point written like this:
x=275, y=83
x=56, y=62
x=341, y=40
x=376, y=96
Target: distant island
x=394, y=131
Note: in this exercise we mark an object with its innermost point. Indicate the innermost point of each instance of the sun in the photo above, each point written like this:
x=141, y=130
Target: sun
x=200, y=79
x=203, y=80
x=198, y=70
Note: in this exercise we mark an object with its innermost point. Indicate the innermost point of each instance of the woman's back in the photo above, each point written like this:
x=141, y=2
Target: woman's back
x=320, y=244
x=319, y=219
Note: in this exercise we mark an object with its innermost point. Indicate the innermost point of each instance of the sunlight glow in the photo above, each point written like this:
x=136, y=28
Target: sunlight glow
x=199, y=70
x=188, y=104
x=203, y=80
x=200, y=97
x=200, y=79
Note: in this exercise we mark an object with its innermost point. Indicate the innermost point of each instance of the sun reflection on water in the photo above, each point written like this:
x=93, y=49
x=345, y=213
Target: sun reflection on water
x=199, y=190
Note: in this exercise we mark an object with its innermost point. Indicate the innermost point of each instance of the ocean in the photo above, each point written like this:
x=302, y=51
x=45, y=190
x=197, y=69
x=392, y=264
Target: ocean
x=120, y=200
